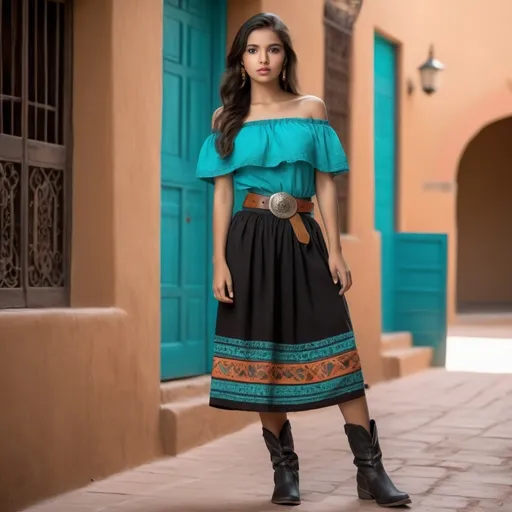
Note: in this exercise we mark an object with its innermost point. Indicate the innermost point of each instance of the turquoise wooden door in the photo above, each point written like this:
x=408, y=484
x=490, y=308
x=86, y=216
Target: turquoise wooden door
x=193, y=52
x=385, y=165
x=420, y=270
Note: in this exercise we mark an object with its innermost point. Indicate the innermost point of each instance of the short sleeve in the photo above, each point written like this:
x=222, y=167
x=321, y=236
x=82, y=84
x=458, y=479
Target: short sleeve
x=329, y=155
x=209, y=163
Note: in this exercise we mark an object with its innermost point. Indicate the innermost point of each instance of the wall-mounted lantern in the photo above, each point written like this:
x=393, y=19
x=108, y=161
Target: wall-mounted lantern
x=429, y=73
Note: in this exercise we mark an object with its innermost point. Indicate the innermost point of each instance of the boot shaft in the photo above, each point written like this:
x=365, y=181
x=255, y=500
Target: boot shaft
x=282, y=449
x=286, y=466
x=364, y=445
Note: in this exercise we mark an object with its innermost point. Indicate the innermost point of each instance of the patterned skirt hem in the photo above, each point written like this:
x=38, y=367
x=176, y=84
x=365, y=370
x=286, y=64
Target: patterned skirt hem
x=219, y=403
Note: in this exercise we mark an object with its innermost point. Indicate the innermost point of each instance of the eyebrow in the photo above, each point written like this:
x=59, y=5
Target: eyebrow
x=270, y=45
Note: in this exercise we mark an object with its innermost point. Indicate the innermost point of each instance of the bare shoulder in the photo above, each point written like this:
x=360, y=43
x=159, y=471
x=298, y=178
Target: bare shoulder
x=216, y=115
x=313, y=106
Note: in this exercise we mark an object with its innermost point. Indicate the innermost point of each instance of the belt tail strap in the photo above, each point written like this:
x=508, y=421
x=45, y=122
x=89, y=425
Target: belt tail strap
x=300, y=229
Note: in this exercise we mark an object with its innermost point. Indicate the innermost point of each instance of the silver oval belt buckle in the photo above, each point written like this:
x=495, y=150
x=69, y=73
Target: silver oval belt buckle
x=283, y=205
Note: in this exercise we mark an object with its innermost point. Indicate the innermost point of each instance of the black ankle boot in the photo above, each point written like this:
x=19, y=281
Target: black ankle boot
x=373, y=483
x=286, y=466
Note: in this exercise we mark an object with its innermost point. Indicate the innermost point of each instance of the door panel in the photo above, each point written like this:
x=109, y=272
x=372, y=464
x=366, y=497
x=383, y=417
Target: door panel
x=384, y=165
x=420, y=271
x=190, y=48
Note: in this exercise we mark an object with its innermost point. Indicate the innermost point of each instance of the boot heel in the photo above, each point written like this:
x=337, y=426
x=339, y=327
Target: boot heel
x=364, y=495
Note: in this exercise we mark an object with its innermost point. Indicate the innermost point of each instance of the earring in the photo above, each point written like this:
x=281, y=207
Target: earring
x=244, y=76
x=283, y=75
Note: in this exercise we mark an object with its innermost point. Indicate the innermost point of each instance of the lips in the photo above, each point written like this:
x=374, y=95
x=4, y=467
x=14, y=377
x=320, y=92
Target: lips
x=263, y=70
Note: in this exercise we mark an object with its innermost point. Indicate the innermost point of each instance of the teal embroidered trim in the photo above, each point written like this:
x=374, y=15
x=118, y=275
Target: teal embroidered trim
x=283, y=353
x=287, y=394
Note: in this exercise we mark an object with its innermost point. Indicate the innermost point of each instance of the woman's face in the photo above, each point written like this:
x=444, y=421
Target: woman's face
x=264, y=56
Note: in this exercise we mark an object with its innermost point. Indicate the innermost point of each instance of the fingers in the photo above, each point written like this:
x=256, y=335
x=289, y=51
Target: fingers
x=334, y=275
x=221, y=296
x=229, y=286
x=347, y=282
x=219, y=292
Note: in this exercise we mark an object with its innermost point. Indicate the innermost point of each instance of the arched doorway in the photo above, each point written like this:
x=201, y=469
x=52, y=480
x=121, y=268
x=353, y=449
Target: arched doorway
x=484, y=215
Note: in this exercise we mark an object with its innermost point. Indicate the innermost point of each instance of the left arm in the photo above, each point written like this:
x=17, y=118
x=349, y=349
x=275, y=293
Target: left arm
x=327, y=197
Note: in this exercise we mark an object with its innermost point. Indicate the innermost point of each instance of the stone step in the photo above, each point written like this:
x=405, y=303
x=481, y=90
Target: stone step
x=406, y=361
x=177, y=390
x=191, y=422
x=395, y=340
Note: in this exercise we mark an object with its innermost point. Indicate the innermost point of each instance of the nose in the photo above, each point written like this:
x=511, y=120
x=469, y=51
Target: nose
x=263, y=58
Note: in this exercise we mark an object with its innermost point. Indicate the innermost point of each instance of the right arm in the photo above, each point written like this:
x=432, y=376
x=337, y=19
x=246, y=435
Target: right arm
x=222, y=213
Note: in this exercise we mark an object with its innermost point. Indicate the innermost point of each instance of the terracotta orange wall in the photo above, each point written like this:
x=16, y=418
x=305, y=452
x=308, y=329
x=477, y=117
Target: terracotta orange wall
x=361, y=247
x=435, y=130
x=79, y=389
x=484, y=213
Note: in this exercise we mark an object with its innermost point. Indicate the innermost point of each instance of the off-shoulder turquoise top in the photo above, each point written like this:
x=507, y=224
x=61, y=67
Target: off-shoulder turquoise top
x=276, y=155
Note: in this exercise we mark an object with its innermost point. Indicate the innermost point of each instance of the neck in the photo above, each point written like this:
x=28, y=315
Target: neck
x=266, y=93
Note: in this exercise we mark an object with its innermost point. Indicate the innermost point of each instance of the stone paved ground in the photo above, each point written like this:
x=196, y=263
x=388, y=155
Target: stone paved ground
x=447, y=440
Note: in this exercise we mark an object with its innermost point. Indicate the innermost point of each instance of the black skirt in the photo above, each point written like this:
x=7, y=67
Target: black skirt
x=286, y=343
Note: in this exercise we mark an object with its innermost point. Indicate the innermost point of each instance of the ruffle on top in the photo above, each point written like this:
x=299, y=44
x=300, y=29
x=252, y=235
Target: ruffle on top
x=271, y=142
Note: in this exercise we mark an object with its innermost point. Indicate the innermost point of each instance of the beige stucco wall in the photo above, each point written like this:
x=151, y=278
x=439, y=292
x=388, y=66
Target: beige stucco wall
x=79, y=389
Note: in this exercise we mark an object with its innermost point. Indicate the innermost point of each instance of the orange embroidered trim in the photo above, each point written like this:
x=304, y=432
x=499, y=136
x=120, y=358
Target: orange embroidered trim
x=286, y=373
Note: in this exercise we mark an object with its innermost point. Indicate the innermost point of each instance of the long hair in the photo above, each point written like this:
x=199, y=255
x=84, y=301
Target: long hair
x=235, y=95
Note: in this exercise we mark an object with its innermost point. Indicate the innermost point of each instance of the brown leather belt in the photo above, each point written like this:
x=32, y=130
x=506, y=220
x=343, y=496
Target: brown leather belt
x=284, y=206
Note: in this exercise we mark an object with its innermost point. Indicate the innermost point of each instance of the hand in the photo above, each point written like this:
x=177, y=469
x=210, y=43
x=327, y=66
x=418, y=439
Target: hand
x=339, y=270
x=222, y=282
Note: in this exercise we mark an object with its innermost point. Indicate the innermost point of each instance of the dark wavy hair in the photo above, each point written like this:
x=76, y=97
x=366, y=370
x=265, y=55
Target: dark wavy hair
x=236, y=96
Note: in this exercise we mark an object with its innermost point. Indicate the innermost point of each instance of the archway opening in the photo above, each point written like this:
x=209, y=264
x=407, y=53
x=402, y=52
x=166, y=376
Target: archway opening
x=484, y=218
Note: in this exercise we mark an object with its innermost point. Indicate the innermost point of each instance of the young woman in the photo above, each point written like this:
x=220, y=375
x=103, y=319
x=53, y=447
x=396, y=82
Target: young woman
x=284, y=340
